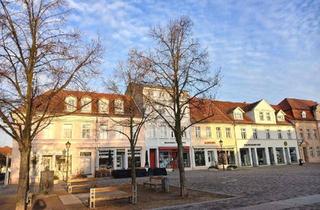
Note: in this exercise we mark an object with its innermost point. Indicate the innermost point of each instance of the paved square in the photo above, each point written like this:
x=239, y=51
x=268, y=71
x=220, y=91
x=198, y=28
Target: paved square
x=254, y=186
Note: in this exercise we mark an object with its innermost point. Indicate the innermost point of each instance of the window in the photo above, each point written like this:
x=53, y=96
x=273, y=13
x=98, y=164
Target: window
x=318, y=151
x=228, y=132
x=198, y=132
x=261, y=116
x=268, y=136
x=86, y=105
x=218, y=131
x=103, y=106
x=255, y=133
x=118, y=130
x=237, y=115
x=293, y=155
x=163, y=131
x=279, y=134
x=103, y=132
x=301, y=133
x=280, y=117
x=315, y=133
x=67, y=131
x=308, y=133
x=71, y=103
x=208, y=132
x=303, y=114
x=153, y=131
x=289, y=134
x=118, y=106
x=268, y=116
x=86, y=131
x=243, y=133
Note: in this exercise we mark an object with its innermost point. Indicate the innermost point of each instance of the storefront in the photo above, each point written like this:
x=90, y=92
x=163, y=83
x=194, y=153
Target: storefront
x=168, y=157
x=268, y=152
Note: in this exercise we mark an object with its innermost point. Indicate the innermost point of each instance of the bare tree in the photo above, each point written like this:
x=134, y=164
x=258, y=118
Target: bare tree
x=130, y=72
x=179, y=67
x=37, y=54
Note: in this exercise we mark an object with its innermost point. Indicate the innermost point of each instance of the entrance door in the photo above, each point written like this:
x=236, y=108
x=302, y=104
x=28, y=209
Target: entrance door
x=174, y=160
x=85, y=162
x=120, y=158
x=253, y=156
x=152, y=158
x=211, y=158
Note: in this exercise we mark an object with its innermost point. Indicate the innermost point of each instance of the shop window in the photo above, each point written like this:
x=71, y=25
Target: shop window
x=199, y=157
x=106, y=158
x=165, y=159
x=186, y=159
x=262, y=159
x=255, y=133
x=293, y=155
x=311, y=152
x=137, y=158
x=245, y=157
x=280, y=156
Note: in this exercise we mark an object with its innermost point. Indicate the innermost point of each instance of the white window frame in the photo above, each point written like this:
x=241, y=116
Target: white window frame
x=228, y=132
x=255, y=133
x=279, y=132
x=86, y=104
x=70, y=107
x=198, y=131
x=118, y=106
x=67, y=131
x=103, y=106
x=218, y=132
x=103, y=131
x=208, y=132
x=268, y=134
x=261, y=116
x=243, y=133
x=88, y=129
x=268, y=116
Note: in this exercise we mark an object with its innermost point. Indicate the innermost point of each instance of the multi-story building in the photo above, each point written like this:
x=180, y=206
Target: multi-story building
x=305, y=115
x=89, y=124
x=263, y=135
x=159, y=139
x=213, y=140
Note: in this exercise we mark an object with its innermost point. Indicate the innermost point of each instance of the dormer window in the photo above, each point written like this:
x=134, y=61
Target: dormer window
x=238, y=116
x=304, y=114
x=261, y=116
x=118, y=106
x=71, y=104
x=103, y=105
x=280, y=117
x=86, y=104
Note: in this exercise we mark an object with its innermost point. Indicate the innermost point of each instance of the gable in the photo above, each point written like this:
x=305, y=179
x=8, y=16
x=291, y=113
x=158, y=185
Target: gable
x=263, y=105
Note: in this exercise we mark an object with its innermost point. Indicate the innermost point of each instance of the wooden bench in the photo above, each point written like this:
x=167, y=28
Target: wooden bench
x=85, y=183
x=157, y=182
x=107, y=194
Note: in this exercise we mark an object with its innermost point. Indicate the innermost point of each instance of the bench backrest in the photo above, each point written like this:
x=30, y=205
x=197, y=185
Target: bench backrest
x=72, y=181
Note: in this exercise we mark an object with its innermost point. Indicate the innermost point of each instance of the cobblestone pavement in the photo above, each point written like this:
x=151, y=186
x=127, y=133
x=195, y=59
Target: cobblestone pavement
x=254, y=186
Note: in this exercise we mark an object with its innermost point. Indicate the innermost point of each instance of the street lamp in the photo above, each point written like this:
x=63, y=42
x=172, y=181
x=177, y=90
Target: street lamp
x=221, y=144
x=68, y=145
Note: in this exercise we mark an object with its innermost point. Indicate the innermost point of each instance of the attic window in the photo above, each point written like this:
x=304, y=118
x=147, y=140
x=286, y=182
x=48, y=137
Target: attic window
x=303, y=114
x=238, y=116
x=86, y=104
x=118, y=106
x=103, y=106
x=280, y=117
x=71, y=103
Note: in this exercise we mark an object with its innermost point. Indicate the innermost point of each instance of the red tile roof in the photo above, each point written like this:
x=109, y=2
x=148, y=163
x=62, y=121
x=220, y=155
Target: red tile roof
x=294, y=107
x=6, y=150
x=58, y=104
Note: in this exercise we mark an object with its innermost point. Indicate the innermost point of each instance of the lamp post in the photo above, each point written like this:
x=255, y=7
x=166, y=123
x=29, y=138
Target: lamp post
x=221, y=144
x=68, y=144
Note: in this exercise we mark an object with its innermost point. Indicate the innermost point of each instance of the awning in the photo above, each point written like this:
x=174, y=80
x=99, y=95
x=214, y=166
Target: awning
x=185, y=148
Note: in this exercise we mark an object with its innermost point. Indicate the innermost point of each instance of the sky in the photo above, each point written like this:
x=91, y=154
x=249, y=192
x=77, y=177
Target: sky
x=265, y=49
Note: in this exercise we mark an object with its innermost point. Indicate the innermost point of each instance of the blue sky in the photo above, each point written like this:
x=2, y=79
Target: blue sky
x=266, y=49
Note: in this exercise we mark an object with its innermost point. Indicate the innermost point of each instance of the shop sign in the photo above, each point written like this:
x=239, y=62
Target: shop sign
x=248, y=145
x=209, y=142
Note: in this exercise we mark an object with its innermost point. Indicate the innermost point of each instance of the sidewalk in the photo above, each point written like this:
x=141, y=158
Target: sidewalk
x=286, y=204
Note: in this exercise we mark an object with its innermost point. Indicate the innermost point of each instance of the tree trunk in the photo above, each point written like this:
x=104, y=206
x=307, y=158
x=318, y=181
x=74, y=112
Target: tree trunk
x=134, y=187
x=182, y=175
x=23, y=184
